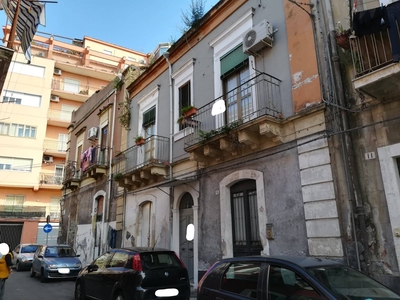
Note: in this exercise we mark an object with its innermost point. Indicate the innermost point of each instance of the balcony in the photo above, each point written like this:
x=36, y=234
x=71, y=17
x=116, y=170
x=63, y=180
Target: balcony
x=54, y=148
x=97, y=165
x=50, y=180
x=375, y=73
x=142, y=165
x=210, y=139
x=60, y=118
x=72, y=91
x=72, y=176
x=22, y=212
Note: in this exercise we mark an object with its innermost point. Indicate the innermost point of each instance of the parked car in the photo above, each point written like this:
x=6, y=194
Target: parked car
x=58, y=261
x=23, y=255
x=134, y=273
x=285, y=277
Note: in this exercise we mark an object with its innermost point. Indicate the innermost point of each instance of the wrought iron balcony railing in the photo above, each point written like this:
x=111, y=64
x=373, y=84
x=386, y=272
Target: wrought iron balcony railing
x=99, y=157
x=255, y=97
x=17, y=211
x=50, y=179
x=155, y=150
x=72, y=171
x=371, y=52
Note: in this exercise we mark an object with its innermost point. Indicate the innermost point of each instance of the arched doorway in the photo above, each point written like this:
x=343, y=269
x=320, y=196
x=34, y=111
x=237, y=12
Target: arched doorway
x=145, y=238
x=98, y=216
x=245, y=225
x=185, y=246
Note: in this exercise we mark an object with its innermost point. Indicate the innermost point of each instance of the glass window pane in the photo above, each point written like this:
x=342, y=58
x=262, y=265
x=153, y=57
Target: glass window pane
x=33, y=132
x=242, y=279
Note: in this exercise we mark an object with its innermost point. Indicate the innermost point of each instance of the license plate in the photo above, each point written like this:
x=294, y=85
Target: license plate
x=167, y=293
x=63, y=270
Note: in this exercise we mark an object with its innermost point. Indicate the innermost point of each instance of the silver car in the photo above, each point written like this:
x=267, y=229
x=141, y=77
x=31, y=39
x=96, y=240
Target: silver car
x=58, y=261
x=23, y=255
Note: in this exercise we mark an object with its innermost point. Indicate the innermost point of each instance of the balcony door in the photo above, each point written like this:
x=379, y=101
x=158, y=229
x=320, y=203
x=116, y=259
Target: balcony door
x=62, y=142
x=58, y=174
x=239, y=100
x=71, y=85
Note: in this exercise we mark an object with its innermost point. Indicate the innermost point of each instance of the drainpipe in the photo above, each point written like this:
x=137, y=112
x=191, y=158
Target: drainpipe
x=171, y=134
x=108, y=199
x=347, y=146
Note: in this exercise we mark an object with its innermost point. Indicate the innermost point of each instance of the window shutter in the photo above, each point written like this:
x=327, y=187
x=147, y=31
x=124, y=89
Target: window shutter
x=149, y=117
x=232, y=60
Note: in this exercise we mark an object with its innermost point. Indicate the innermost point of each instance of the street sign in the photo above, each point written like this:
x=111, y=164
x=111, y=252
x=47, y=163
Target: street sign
x=47, y=228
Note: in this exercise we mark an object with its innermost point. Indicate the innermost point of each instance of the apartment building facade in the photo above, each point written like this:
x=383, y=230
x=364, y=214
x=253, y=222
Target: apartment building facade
x=303, y=161
x=244, y=177
x=36, y=105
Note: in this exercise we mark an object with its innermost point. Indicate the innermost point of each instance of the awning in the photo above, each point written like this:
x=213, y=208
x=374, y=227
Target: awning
x=31, y=14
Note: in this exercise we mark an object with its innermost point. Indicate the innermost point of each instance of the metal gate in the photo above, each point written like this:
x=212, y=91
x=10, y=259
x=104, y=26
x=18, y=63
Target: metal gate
x=10, y=233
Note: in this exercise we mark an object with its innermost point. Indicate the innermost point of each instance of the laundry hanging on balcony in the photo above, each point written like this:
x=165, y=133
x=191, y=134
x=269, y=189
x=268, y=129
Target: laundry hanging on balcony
x=88, y=157
x=31, y=14
x=370, y=21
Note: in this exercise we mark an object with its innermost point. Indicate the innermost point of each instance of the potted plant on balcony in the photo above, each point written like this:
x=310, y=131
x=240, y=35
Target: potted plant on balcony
x=139, y=140
x=342, y=36
x=189, y=111
x=117, y=176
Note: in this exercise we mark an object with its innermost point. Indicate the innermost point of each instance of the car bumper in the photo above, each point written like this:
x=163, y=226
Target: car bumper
x=54, y=273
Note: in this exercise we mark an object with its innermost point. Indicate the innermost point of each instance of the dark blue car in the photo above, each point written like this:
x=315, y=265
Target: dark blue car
x=288, y=278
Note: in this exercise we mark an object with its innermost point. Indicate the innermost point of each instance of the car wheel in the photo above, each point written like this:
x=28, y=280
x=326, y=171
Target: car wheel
x=119, y=296
x=79, y=291
x=42, y=277
x=32, y=272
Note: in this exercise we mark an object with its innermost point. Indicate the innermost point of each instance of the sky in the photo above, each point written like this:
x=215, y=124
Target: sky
x=135, y=24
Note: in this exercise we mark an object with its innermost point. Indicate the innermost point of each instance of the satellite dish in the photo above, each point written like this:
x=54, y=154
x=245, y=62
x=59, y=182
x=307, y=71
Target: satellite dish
x=218, y=107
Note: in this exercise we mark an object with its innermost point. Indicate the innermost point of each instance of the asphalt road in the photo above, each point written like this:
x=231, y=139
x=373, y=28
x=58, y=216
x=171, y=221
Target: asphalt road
x=20, y=286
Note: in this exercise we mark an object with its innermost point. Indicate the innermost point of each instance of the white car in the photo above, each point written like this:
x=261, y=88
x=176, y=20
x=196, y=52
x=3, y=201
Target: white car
x=23, y=255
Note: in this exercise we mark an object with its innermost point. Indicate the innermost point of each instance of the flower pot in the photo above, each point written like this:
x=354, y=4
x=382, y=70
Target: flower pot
x=343, y=41
x=190, y=112
x=139, y=142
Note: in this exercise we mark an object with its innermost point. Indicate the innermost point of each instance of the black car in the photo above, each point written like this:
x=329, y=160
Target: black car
x=288, y=277
x=134, y=273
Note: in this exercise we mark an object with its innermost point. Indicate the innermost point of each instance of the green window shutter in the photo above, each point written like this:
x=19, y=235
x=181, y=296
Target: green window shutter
x=232, y=60
x=149, y=117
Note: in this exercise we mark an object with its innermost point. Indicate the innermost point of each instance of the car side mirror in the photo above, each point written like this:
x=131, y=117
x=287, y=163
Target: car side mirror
x=40, y=256
x=17, y=252
x=78, y=255
x=92, y=268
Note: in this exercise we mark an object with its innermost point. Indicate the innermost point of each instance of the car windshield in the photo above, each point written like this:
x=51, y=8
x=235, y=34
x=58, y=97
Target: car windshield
x=29, y=249
x=59, y=252
x=349, y=284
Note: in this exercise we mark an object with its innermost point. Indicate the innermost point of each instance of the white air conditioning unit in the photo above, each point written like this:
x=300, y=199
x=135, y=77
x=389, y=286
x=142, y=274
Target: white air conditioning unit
x=92, y=134
x=259, y=37
x=57, y=72
x=54, y=98
x=41, y=54
x=47, y=159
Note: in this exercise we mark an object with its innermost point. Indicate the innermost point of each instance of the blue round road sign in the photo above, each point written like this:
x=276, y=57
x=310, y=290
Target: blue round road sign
x=47, y=228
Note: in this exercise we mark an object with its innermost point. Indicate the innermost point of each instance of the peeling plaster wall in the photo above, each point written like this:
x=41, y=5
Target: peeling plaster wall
x=303, y=59
x=161, y=211
x=283, y=206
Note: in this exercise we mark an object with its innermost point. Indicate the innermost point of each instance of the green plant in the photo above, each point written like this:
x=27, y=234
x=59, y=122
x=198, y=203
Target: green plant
x=185, y=109
x=117, y=176
x=191, y=18
x=180, y=119
x=125, y=112
x=118, y=83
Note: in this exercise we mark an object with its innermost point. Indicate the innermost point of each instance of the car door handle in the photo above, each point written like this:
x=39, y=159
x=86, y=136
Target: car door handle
x=182, y=249
x=183, y=278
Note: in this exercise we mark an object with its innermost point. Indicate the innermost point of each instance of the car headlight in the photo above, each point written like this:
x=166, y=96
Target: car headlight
x=77, y=265
x=23, y=258
x=52, y=266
